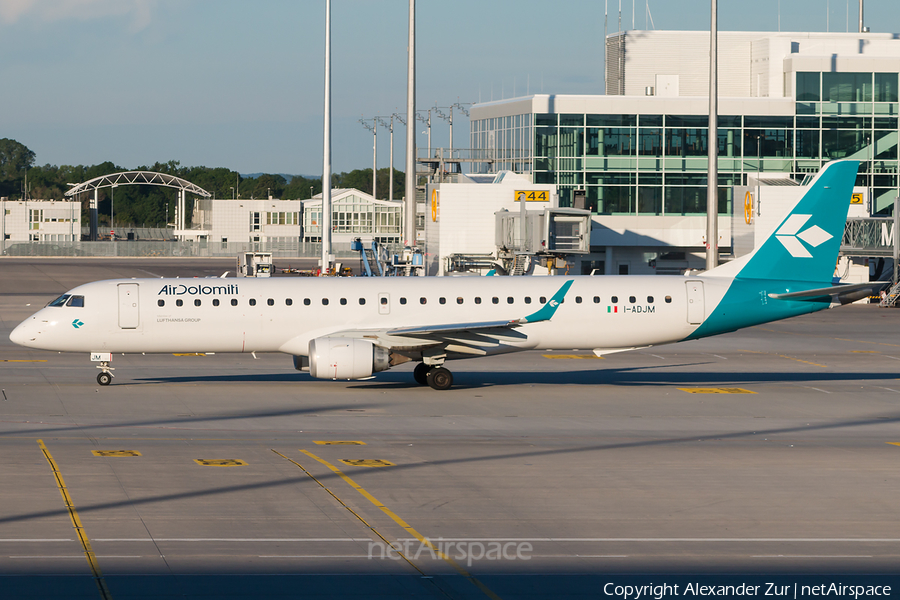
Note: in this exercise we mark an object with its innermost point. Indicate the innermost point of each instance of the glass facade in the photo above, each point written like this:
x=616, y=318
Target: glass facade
x=656, y=164
x=356, y=215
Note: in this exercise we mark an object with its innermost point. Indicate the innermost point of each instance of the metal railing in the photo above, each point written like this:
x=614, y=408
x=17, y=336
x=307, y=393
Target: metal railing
x=178, y=249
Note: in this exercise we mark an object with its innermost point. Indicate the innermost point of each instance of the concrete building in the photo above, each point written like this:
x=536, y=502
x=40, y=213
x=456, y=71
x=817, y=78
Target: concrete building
x=39, y=221
x=788, y=103
x=354, y=214
x=276, y=223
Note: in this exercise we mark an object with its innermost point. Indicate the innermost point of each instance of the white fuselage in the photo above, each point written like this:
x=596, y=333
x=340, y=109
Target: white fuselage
x=285, y=314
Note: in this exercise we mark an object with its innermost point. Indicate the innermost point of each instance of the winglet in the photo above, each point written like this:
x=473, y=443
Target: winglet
x=548, y=310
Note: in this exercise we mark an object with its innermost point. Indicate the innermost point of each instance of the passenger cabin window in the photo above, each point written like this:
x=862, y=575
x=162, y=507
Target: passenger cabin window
x=76, y=301
x=527, y=299
x=306, y=302
x=252, y=301
x=577, y=299
x=270, y=302
x=422, y=301
x=288, y=301
x=614, y=299
x=596, y=299
x=215, y=301
x=668, y=299
x=196, y=301
x=61, y=301
x=495, y=300
x=510, y=300
x=402, y=300
x=363, y=301
x=442, y=300
x=543, y=299
x=632, y=299
x=160, y=302
x=477, y=300
x=179, y=302
x=649, y=299
x=324, y=301
x=234, y=301
x=384, y=301
x=459, y=300
x=343, y=302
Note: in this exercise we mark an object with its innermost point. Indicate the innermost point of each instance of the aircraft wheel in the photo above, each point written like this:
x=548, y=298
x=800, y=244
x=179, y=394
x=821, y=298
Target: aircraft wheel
x=440, y=378
x=104, y=378
x=420, y=374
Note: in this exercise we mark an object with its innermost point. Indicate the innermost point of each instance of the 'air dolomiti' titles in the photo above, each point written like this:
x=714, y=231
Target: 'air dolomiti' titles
x=197, y=290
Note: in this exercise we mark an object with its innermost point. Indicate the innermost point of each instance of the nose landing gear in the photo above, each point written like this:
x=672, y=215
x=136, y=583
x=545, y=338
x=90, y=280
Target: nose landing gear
x=104, y=377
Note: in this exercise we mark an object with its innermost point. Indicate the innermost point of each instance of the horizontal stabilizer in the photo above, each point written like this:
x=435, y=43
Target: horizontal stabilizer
x=835, y=294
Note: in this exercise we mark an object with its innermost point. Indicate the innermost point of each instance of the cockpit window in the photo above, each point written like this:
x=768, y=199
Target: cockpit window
x=61, y=301
x=76, y=301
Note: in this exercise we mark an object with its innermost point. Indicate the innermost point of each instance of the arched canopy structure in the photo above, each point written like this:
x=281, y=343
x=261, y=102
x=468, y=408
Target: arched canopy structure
x=138, y=178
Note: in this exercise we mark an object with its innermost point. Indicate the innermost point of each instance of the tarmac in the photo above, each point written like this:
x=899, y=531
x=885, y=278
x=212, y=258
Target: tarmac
x=765, y=456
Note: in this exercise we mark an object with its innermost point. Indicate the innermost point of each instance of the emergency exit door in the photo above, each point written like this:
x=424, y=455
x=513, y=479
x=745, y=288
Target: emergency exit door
x=129, y=306
x=695, y=308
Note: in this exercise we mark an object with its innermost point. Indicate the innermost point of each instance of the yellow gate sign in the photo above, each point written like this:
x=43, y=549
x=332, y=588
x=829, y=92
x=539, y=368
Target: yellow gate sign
x=532, y=196
x=856, y=199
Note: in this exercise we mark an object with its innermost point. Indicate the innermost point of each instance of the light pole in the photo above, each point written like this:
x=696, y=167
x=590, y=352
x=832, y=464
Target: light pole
x=374, y=129
x=390, y=126
x=403, y=121
x=112, y=217
x=427, y=122
x=447, y=117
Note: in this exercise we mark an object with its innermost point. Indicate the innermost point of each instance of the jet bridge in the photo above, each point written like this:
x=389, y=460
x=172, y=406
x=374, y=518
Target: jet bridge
x=524, y=238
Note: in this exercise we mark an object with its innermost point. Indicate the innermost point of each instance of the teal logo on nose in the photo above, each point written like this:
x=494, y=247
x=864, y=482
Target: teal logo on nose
x=77, y=324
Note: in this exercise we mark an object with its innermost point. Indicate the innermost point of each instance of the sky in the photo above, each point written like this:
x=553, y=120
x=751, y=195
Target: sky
x=240, y=84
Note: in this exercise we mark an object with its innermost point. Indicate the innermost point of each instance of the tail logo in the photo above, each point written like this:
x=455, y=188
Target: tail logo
x=77, y=324
x=813, y=236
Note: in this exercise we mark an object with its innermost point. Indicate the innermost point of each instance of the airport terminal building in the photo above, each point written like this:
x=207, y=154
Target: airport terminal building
x=637, y=156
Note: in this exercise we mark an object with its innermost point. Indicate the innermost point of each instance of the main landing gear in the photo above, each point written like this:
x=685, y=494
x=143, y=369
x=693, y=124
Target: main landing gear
x=437, y=377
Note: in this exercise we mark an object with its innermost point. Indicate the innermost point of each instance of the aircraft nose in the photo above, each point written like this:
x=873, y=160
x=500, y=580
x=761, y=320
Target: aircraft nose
x=23, y=334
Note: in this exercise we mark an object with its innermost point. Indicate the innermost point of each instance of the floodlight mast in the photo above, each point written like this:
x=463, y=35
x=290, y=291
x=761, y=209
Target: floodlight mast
x=712, y=188
x=428, y=123
x=326, y=166
x=374, y=129
x=409, y=221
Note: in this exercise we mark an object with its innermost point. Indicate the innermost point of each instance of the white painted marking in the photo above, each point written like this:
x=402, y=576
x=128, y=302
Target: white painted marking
x=888, y=389
x=809, y=387
x=722, y=357
x=317, y=556
x=812, y=556
x=35, y=540
x=889, y=356
x=658, y=356
x=657, y=540
x=240, y=540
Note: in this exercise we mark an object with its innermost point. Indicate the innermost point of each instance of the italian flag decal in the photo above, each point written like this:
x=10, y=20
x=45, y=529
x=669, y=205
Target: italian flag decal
x=612, y=309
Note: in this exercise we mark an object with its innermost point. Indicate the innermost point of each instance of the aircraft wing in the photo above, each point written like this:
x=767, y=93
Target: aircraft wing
x=463, y=337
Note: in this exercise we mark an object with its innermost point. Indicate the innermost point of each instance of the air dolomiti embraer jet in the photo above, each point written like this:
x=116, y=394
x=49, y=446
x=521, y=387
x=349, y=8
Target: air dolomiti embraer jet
x=350, y=328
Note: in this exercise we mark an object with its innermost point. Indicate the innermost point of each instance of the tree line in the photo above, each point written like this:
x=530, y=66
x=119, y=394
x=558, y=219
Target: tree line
x=154, y=206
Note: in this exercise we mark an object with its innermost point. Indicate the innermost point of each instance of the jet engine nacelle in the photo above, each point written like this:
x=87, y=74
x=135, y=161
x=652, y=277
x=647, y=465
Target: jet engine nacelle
x=346, y=358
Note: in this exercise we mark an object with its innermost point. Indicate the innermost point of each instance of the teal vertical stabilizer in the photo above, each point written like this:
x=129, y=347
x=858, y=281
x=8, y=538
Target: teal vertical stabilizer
x=800, y=254
x=804, y=247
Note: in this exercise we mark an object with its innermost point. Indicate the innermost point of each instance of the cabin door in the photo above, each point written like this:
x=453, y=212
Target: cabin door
x=695, y=308
x=129, y=306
